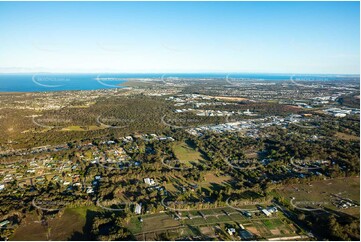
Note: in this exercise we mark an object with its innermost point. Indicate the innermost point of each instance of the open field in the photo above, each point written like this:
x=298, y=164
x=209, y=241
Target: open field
x=82, y=128
x=170, y=187
x=68, y=225
x=323, y=191
x=251, y=155
x=210, y=179
x=185, y=153
x=151, y=223
x=346, y=136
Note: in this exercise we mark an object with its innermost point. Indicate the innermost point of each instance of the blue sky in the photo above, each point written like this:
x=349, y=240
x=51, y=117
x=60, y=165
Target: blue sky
x=267, y=37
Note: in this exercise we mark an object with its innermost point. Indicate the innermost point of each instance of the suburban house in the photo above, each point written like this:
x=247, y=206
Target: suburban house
x=149, y=181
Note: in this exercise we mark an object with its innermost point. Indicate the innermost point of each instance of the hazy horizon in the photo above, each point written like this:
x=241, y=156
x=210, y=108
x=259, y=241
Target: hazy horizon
x=166, y=73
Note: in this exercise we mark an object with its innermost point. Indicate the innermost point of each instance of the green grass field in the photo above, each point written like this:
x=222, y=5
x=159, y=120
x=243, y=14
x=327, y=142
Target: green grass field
x=272, y=224
x=186, y=153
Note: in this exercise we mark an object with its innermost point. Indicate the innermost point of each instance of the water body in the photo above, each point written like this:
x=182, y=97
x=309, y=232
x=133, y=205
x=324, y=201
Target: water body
x=44, y=82
x=56, y=82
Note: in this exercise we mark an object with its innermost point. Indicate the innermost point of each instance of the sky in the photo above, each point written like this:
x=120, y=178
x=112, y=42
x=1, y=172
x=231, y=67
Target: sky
x=163, y=37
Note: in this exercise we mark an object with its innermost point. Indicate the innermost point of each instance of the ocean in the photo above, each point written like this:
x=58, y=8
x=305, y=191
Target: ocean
x=66, y=82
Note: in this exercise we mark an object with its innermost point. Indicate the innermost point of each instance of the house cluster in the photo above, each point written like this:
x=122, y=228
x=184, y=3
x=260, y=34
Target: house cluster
x=116, y=157
x=344, y=203
x=154, y=185
x=243, y=233
x=8, y=178
x=188, y=98
x=66, y=173
x=94, y=184
x=34, y=171
x=312, y=163
x=155, y=137
x=145, y=137
x=149, y=181
x=54, y=101
x=34, y=150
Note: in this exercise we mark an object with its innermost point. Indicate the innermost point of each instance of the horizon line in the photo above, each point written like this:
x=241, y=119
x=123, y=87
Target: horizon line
x=191, y=72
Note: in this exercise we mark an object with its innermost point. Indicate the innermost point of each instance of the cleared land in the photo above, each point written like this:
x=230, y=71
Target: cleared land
x=323, y=191
x=82, y=128
x=210, y=179
x=151, y=223
x=231, y=98
x=185, y=153
x=65, y=227
x=346, y=136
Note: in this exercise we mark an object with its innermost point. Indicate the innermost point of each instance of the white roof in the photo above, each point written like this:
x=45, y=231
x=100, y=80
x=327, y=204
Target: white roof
x=265, y=211
x=138, y=209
